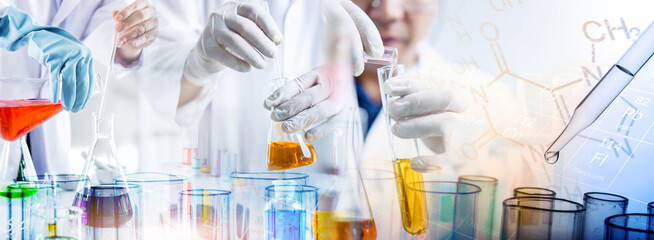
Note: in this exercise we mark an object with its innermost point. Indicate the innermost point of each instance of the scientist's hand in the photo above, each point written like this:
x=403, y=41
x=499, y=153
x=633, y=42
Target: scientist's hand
x=366, y=37
x=236, y=37
x=68, y=61
x=303, y=102
x=138, y=27
x=425, y=113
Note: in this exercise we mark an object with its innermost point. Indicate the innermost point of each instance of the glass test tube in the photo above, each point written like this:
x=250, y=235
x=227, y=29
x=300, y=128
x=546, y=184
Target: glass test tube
x=61, y=223
x=485, y=205
x=451, y=209
x=289, y=210
x=205, y=214
x=548, y=218
x=600, y=206
x=160, y=193
x=189, y=145
x=388, y=58
x=533, y=192
x=248, y=200
x=629, y=226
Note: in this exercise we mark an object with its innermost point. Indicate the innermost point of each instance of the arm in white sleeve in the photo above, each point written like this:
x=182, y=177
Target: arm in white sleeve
x=3, y=7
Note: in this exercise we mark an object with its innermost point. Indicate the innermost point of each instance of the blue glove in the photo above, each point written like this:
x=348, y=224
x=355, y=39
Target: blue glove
x=67, y=59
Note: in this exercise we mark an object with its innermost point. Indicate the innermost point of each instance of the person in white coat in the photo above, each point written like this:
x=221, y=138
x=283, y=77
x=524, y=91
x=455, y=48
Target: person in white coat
x=91, y=22
x=212, y=62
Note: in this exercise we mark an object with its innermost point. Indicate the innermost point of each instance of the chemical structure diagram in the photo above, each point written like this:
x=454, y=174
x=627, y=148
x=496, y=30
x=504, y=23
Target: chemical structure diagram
x=528, y=111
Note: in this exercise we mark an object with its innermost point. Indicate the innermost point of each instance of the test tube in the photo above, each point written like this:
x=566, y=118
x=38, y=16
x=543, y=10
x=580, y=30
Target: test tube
x=485, y=204
x=205, y=214
x=62, y=223
x=599, y=206
x=189, y=145
x=533, y=192
x=629, y=226
x=532, y=219
x=451, y=209
x=248, y=194
x=548, y=218
x=388, y=58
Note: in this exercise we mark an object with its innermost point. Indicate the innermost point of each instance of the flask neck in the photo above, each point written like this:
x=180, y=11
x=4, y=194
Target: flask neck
x=103, y=125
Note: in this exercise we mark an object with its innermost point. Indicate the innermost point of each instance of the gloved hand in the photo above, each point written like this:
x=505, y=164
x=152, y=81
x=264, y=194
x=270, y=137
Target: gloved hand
x=304, y=101
x=69, y=62
x=236, y=37
x=365, y=35
x=138, y=27
x=420, y=112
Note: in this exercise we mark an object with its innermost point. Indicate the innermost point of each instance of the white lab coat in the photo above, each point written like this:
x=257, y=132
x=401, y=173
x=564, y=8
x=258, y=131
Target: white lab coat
x=88, y=20
x=233, y=109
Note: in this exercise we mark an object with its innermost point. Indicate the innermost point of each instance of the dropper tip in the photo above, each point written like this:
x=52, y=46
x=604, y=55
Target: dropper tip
x=551, y=157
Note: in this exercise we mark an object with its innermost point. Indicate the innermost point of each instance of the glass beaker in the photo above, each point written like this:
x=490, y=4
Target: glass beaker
x=24, y=105
x=111, y=211
x=599, y=206
x=249, y=200
x=541, y=218
x=160, y=202
x=17, y=202
x=60, y=223
x=533, y=192
x=58, y=188
x=485, y=205
x=344, y=210
x=287, y=150
x=205, y=214
x=629, y=226
x=451, y=209
x=289, y=211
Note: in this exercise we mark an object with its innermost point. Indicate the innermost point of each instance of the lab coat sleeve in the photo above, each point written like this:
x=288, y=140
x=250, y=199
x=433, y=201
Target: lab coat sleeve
x=3, y=7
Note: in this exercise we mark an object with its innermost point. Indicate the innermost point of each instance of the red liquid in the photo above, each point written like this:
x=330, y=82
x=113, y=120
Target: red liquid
x=18, y=117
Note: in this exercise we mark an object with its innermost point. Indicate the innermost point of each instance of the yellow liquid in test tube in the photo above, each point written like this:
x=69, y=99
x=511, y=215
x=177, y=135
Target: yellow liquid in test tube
x=412, y=202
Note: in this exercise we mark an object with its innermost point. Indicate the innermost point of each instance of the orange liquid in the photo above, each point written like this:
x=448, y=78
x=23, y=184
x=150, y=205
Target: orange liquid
x=286, y=155
x=354, y=229
x=18, y=117
x=412, y=203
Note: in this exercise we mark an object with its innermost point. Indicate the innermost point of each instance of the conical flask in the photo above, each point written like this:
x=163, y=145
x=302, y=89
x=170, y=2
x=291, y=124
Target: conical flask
x=343, y=209
x=107, y=209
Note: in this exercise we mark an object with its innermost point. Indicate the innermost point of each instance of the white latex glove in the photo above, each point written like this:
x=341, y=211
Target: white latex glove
x=236, y=37
x=303, y=102
x=365, y=35
x=425, y=113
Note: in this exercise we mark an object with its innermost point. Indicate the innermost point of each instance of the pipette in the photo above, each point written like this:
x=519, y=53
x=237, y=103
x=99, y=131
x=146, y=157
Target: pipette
x=111, y=64
x=605, y=92
x=300, y=135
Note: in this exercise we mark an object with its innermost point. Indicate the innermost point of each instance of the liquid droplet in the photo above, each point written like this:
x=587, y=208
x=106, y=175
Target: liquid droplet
x=551, y=157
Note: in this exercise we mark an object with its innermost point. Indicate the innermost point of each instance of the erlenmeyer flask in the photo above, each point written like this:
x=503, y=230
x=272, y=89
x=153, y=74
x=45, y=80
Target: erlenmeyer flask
x=99, y=198
x=343, y=209
x=287, y=150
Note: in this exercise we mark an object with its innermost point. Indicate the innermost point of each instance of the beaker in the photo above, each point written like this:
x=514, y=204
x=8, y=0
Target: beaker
x=249, y=200
x=160, y=201
x=344, y=209
x=533, y=192
x=59, y=187
x=548, y=218
x=650, y=208
x=629, y=226
x=17, y=201
x=111, y=211
x=600, y=206
x=61, y=223
x=289, y=210
x=205, y=214
x=451, y=209
x=287, y=150
x=485, y=228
